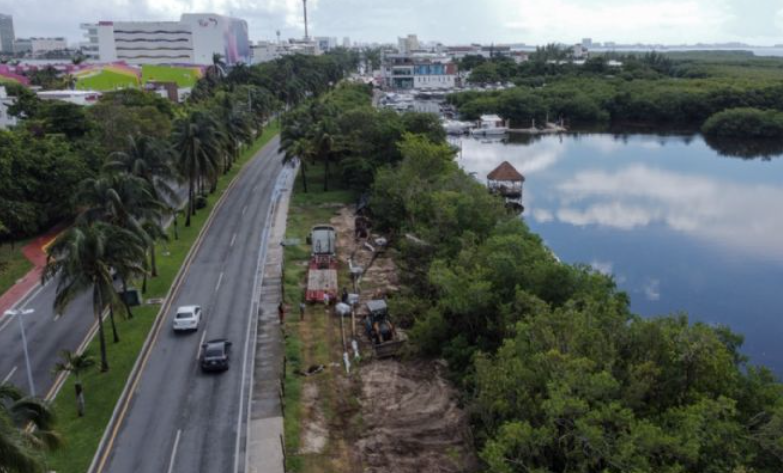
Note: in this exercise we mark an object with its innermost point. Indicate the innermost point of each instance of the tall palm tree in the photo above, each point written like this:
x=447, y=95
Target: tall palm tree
x=77, y=364
x=197, y=144
x=21, y=448
x=324, y=145
x=81, y=259
x=150, y=159
x=217, y=70
x=304, y=151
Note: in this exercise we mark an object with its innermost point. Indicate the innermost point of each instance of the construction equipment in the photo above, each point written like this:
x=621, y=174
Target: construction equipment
x=322, y=271
x=380, y=329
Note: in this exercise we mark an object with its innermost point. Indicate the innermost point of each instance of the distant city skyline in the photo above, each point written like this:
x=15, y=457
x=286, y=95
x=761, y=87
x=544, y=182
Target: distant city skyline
x=501, y=21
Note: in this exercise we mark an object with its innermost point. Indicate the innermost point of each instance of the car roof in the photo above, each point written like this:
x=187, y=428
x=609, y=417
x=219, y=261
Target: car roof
x=217, y=341
x=187, y=308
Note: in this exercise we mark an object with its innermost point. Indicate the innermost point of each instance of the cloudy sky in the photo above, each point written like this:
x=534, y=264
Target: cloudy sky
x=452, y=22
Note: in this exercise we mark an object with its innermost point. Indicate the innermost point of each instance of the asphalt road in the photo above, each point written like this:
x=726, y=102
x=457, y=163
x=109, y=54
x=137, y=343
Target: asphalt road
x=180, y=419
x=47, y=334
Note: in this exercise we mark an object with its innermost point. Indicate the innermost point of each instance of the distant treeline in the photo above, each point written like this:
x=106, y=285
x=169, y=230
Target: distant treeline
x=650, y=90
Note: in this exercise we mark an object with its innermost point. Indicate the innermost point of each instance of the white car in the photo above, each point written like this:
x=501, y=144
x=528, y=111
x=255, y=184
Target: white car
x=187, y=318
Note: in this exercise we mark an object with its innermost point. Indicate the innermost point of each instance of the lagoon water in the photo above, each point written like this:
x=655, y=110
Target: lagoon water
x=680, y=226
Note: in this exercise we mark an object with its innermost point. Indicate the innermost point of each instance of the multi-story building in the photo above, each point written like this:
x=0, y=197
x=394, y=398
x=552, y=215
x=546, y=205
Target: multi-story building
x=195, y=39
x=408, y=44
x=265, y=51
x=40, y=46
x=7, y=36
x=418, y=71
x=325, y=43
x=23, y=46
x=6, y=102
x=346, y=42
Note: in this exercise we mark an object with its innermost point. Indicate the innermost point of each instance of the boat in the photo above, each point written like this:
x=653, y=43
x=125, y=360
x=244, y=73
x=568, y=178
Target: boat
x=490, y=125
x=456, y=127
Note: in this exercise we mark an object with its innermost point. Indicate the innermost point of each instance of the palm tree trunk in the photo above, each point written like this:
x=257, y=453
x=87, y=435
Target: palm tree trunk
x=190, y=202
x=304, y=176
x=326, y=174
x=125, y=300
x=96, y=307
x=113, y=325
x=153, y=264
x=79, y=398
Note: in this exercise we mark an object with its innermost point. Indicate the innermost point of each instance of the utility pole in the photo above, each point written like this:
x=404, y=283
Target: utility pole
x=307, y=36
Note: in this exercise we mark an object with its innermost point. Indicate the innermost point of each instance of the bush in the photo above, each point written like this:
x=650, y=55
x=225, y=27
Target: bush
x=745, y=123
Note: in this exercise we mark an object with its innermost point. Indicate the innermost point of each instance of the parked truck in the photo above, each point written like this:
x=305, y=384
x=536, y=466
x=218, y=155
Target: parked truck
x=322, y=270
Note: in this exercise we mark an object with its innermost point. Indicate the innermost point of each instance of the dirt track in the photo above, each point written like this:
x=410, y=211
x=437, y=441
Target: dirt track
x=412, y=423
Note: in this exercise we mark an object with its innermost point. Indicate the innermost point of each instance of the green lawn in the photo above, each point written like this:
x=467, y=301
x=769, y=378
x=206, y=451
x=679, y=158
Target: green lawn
x=183, y=76
x=13, y=265
x=106, y=81
x=102, y=390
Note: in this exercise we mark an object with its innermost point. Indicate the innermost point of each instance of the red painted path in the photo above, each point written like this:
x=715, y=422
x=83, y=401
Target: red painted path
x=35, y=251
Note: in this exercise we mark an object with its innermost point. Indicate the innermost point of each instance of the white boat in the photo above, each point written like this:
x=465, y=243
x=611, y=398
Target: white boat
x=490, y=125
x=456, y=127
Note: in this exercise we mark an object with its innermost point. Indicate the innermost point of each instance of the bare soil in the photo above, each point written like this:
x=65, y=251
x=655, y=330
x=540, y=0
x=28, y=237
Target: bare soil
x=412, y=422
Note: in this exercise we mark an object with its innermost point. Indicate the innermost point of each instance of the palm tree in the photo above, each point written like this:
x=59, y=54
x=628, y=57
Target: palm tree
x=78, y=365
x=304, y=151
x=217, y=70
x=197, y=143
x=81, y=259
x=21, y=448
x=150, y=159
x=324, y=144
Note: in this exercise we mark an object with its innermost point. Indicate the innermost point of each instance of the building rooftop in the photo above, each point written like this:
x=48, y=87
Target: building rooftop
x=505, y=172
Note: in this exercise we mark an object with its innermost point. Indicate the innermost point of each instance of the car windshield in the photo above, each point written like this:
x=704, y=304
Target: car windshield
x=184, y=315
x=213, y=351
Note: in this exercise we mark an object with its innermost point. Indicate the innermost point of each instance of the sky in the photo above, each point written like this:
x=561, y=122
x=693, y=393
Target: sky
x=450, y=22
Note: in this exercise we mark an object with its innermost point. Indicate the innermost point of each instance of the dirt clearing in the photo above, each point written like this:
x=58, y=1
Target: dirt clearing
x=411, y=419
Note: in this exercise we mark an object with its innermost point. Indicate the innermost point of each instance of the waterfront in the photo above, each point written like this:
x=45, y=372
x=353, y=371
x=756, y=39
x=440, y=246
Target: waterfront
x=680, y=226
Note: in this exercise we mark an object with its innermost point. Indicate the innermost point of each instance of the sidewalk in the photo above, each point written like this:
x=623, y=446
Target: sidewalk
x=35, y=251
x=265, y=426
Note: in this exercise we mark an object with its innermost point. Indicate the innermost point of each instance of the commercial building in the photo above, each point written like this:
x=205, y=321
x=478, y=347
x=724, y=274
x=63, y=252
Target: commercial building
x=418, y=71
x=325, y=43
x=195, y=39
x=42, y=46
x=408, y=44
x=23, y=46
x=7, y=36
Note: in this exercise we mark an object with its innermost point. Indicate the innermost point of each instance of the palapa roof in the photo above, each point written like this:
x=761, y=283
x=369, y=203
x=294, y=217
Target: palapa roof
x=505, y=172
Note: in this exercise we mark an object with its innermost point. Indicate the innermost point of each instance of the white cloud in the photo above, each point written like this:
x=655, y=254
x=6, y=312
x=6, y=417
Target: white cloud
x=542, y=215
x=740, y=216
x=628, y=20
x=652, y=289
x=603, y=267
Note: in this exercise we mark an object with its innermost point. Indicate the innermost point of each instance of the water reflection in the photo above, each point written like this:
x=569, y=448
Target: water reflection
x=679, y=227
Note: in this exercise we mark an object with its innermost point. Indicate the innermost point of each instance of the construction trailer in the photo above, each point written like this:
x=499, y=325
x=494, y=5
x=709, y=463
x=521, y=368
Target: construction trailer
x=322, y=270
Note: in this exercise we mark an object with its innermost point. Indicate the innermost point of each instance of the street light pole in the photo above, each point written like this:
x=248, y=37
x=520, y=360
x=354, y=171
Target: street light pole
x=19, y=314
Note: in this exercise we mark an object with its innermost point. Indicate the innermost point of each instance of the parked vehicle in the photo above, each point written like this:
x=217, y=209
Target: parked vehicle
x=380, y=329
x=322, y=271
x=188, y=317
x=215, y=355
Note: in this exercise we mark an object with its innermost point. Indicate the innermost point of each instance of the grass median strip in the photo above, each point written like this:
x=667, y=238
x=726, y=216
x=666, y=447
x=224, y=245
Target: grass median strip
x=102, y=390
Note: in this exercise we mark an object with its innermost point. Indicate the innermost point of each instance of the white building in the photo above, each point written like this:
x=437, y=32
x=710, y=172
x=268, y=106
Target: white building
x=192, y=40
x=78, y=97
x=408, y=44
x=6, y=120
x=265, y=51
x=418, y=71
x=325, y=43
x=41, y=46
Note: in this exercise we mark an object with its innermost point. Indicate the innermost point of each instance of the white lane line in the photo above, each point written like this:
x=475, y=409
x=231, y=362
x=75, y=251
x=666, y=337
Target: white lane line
x=220, y=279
x=201, y=344
x=57, y=317
x=174, y=451
x=8, y=376
x=244, y=209
x=233, y=239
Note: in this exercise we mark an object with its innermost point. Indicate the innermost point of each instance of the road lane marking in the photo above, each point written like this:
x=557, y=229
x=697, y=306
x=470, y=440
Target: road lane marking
x=121, y=410
x=174, y=451
x=200, y=344
x=8, y=376
x=244, y=209
x=233, y=239
x=220, y=279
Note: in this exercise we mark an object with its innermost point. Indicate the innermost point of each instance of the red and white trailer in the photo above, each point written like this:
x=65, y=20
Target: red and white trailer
x=322, y=271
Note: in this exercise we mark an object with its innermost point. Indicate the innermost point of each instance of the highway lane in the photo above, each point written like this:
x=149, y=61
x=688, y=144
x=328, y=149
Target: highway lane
x=180, y=419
